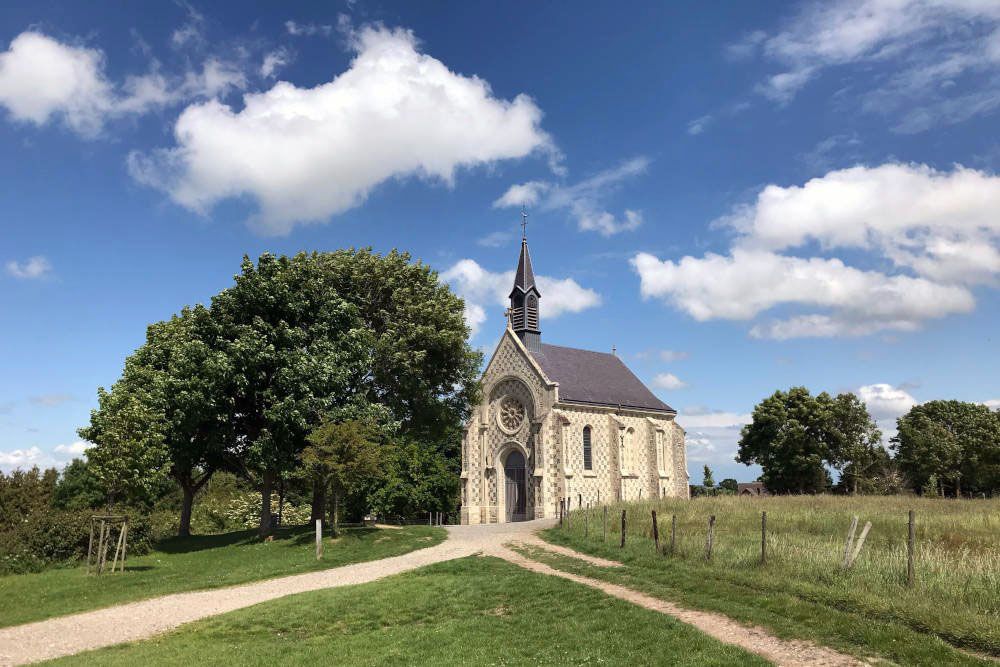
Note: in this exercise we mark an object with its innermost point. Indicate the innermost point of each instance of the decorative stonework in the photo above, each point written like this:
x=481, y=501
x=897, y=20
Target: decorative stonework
x=519, y=409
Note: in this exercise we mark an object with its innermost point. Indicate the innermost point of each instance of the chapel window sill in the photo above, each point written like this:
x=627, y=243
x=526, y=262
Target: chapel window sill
x=589, y=473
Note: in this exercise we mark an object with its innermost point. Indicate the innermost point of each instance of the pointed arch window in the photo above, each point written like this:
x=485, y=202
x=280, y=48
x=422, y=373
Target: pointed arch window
x=588, y=457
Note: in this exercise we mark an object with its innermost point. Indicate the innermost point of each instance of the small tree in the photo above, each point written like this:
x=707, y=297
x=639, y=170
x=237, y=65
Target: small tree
x=729, y=484
x=343, y=457
x=708, y=481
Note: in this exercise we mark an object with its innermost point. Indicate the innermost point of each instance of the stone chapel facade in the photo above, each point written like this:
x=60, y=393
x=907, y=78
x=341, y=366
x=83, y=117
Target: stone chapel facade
x=558, y=423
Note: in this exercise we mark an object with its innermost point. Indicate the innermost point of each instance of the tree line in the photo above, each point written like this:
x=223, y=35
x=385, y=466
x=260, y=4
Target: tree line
x=940, y=447
x=348, y=371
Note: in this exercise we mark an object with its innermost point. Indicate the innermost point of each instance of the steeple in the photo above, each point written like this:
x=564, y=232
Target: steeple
x=525, y=295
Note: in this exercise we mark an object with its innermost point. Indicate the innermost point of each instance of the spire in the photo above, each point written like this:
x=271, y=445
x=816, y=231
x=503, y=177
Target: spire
x=524, y=295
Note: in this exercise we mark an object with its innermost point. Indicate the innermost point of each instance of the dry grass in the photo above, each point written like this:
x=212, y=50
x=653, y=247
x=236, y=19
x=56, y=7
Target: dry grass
x=957, y=591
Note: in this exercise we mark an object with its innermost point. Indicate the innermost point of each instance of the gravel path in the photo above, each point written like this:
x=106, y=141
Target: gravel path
x=67, y=635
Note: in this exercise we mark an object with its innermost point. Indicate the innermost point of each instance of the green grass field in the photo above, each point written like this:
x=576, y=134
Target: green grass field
x=802, y=591
x=204, y=561
x=472, y=611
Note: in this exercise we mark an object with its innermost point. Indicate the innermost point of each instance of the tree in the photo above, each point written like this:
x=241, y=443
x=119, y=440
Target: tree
x=951, y=440
x=297, y=352
x=708, y=481
x=129, y=457
x=78, y=488
x=729, y=484
x=789, y=437
x=856, y=441
x=343, y=457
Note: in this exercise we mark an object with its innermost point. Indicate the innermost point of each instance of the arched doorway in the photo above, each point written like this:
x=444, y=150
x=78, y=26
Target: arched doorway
x=515, y=491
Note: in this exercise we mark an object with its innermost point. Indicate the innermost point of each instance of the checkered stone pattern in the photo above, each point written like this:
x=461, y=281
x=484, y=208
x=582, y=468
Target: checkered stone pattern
x=552, y=434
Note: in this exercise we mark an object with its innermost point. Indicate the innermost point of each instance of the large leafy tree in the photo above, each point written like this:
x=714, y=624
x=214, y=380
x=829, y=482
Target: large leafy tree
x=856, y=448
x=953, y=441
x=297, y=352
x=790, y=439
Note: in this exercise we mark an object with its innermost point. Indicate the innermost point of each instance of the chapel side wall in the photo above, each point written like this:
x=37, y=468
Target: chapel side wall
x=644, y=475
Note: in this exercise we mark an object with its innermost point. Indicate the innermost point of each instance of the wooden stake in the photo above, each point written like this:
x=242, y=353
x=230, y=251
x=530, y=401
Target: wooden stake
x=562, y=503
x=586, y=522
x=709, y=539
x=849, y=542
x=861, y=542
x=656, y=534
x=673, y=534
x=911, y=545
x=319, y=539
x=622, y=546
x=605, y=523
x=763, y=538
x=124, y=545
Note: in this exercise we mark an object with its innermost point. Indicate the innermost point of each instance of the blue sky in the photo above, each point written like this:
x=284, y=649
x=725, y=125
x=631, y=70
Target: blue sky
x=739, y=199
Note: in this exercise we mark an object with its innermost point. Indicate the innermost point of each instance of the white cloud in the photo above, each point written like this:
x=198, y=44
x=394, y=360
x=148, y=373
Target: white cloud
x=306, y=154
x=51, y=400
x=21, y=458
x=31, y=269
x=484, y=289
x=993, y=404
x=43, y=79
x=886, y=402
x=668, y=381
x=495, y=239
x=939, y=230
x=308, y=29
x=583, y=200
x=74, y=449
x=712, y=419
x=673, y=355
x=932, y=44
x=698, y=125
x=274, y=61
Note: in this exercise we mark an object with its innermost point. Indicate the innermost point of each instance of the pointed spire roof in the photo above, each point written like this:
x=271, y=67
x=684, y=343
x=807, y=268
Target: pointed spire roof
x=524, y=276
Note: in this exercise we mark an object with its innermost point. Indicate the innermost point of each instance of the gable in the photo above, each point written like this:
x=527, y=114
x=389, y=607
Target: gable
x=511, y=358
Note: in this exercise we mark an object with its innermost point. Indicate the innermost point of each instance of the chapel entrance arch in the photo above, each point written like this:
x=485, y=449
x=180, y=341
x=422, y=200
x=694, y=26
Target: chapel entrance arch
x=515, y=487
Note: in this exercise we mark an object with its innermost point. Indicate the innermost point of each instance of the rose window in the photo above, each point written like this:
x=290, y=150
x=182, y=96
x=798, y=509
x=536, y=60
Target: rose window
x=511, y=414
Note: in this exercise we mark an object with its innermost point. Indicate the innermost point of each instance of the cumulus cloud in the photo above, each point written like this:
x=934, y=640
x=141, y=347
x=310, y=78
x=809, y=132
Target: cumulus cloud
x=306, y=154
x=886, y=402
x=668, y=381
x=992, y=404
x=938, y=229
x=712, y=434
x=933, y=45
x=21, y=458
x=584, y=200
x=274, y=61
x=484, y=289
x=43, y=79
x=74, y=449
x=32, y=268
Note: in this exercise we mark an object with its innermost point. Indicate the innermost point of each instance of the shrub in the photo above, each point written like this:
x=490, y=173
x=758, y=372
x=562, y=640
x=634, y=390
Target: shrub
x=244, y=511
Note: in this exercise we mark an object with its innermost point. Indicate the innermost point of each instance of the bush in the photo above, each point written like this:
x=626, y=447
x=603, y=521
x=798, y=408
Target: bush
x=244, y=511
x=49, y=537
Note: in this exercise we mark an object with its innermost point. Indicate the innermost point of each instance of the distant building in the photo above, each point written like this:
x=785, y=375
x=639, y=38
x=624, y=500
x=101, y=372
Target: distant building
x=752, y=489
x=559, y=423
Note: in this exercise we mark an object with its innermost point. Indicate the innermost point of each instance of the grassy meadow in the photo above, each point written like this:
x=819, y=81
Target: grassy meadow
x=199, y=562
x=470, y=611
x=802, y=590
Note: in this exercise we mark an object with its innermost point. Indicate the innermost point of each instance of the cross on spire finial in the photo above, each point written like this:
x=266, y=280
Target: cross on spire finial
x=524, y=223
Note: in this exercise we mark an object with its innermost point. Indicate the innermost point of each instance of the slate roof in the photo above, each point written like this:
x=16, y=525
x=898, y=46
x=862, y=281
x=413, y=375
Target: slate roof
x=524, y=277
x=596, y=378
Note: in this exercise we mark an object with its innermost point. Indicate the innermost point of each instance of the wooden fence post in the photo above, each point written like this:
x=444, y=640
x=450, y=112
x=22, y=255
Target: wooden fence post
x=622, y=545
x=562, y=503
x=710, y=537
x=656, y=534
x=763, y=538
x=861, y=542
x=586, y=522
x=605, y=523
x=911, y=545
x=849, y=542
x=673, y=534
x=319, y=539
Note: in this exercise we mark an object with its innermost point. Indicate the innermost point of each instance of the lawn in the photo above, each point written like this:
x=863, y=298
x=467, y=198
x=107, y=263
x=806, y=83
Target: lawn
x=472, y=611
x=204, y=561
x=802, y=591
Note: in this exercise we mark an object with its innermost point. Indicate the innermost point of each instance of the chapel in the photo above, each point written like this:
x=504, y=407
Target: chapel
x=562, y=424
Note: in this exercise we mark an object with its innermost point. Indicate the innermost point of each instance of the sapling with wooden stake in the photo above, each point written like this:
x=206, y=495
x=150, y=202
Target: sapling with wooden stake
x=710, y=538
